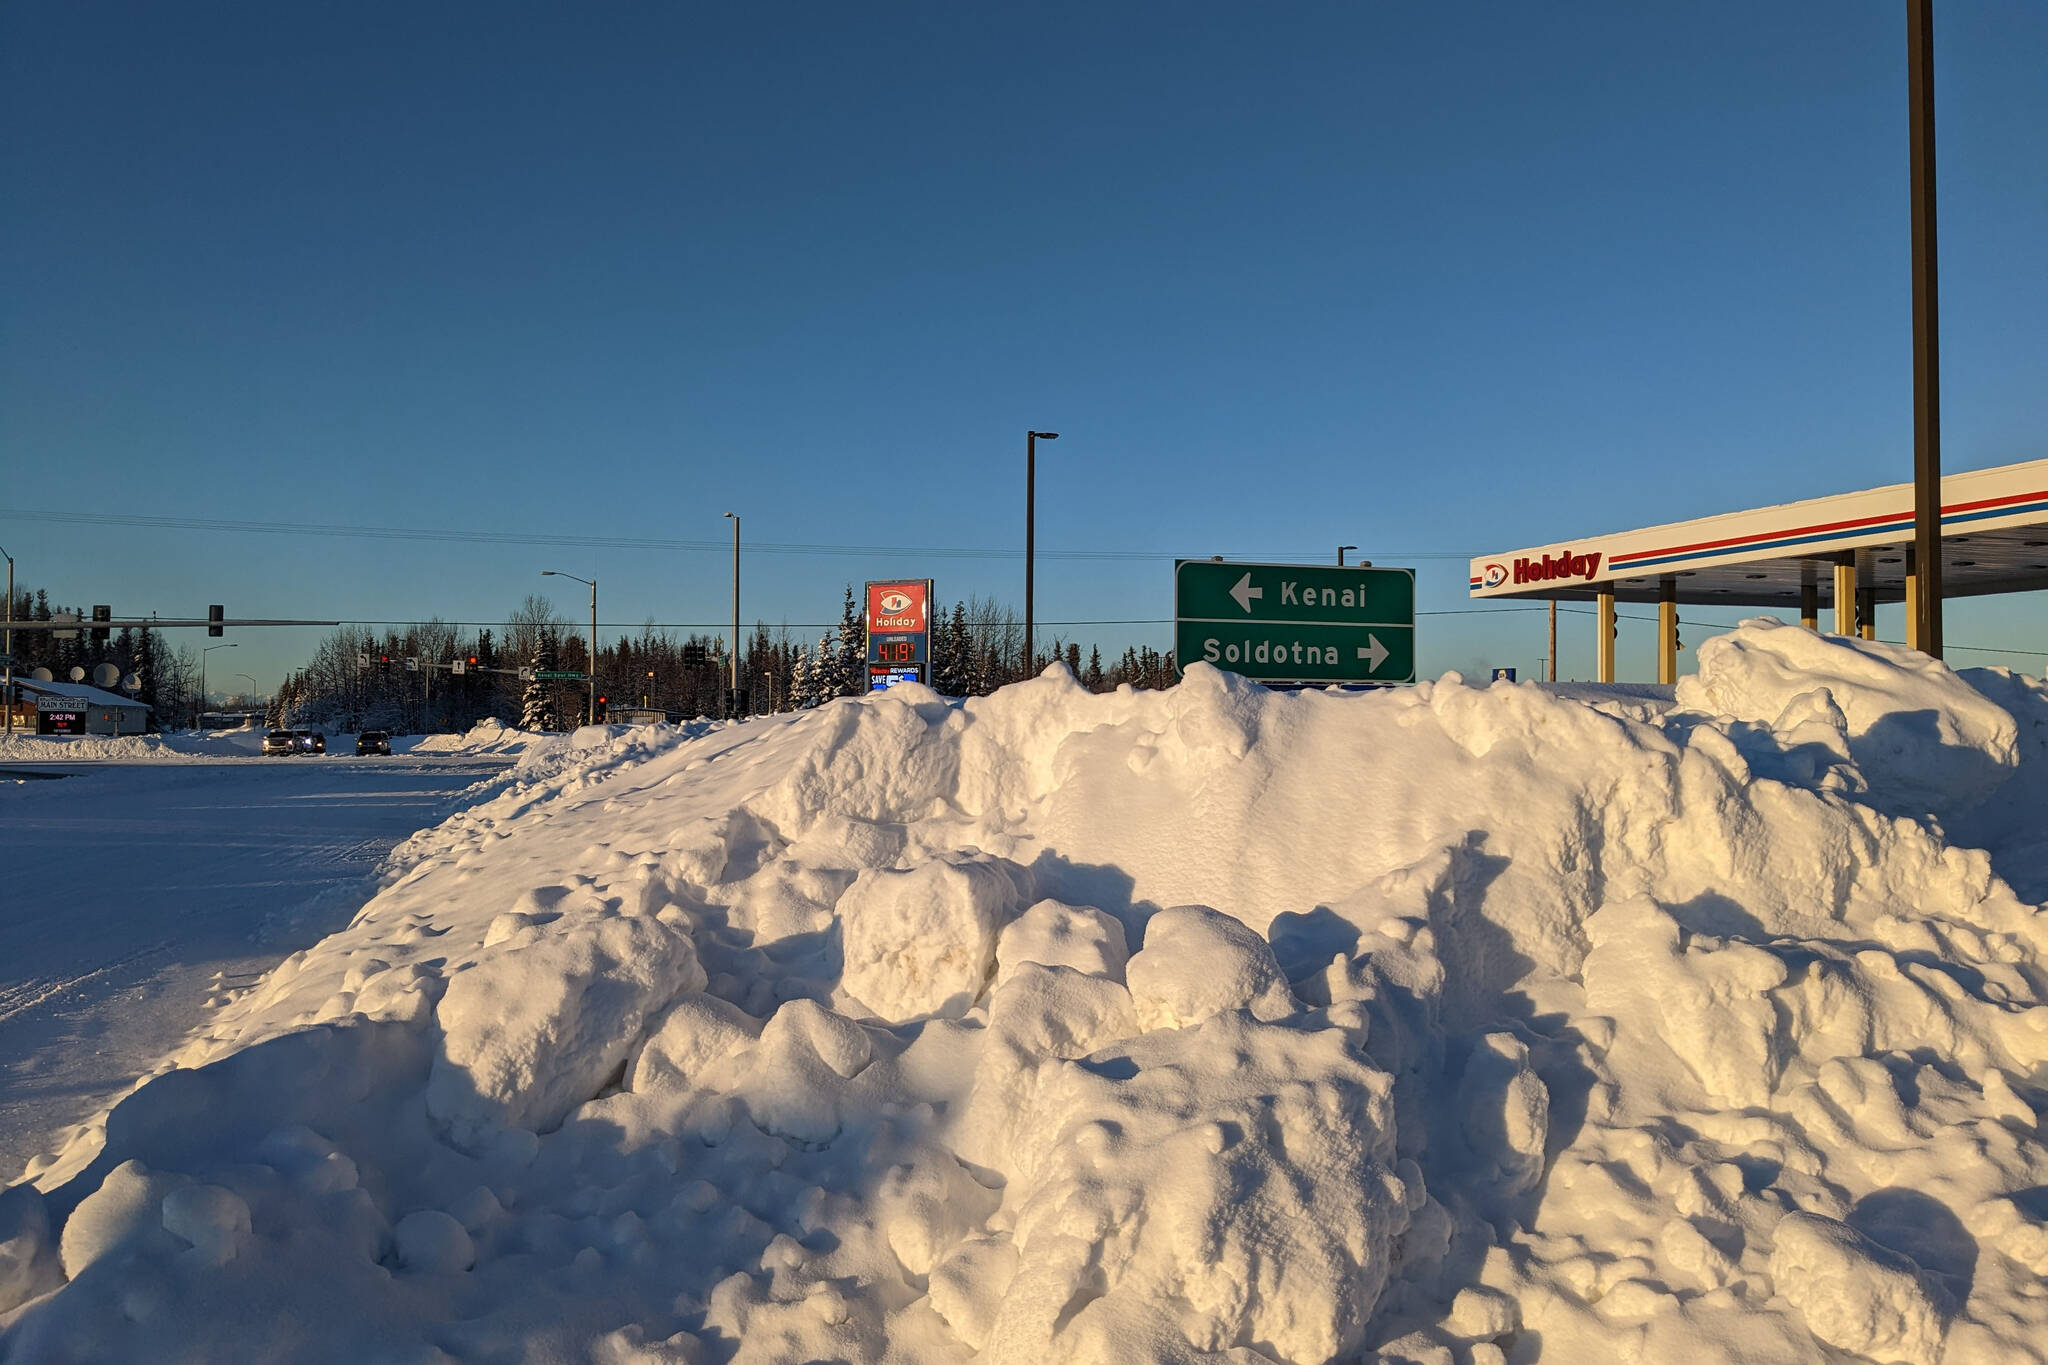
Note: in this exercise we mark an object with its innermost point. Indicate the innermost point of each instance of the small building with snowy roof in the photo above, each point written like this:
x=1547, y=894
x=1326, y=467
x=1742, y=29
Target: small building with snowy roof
x=69, y=708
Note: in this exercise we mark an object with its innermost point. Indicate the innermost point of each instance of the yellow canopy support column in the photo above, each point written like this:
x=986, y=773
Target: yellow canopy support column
x=1604, y=648
x=1912, y=598
x=1845, y=594
x=1809, y=606
x=1667, y=629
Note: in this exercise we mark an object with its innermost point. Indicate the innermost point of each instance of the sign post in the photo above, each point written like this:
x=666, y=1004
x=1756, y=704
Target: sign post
x=1295, y=623
x=899, y=633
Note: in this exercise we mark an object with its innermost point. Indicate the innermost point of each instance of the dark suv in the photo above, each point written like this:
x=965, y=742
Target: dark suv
x=310, y=741
x=373, y=742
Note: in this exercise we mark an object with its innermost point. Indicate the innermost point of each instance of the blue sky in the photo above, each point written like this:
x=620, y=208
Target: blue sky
x=1431, y=280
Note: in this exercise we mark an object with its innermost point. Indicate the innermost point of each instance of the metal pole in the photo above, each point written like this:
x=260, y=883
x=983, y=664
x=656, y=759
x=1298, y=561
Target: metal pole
x=1553, y=639
x=1926, y=332
x=10, y=641
x=735, y=616
x=199, y=712
x=734, y=688
x=1030, y=535
x=593, y=651
x=1031, y=440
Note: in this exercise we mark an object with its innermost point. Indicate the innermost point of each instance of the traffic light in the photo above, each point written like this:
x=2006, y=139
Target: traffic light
x=214, y=615
x=100, y=634
x=384, y=663
x=472, y=661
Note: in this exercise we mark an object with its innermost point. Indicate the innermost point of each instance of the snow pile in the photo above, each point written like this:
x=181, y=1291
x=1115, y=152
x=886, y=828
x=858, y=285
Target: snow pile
x=1924, y=744
x=485, y=737
x=1447, y=1025
x=29, y=748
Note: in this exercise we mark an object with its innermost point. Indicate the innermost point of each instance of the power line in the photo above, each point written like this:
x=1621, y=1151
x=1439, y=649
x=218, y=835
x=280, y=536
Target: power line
x=460, y=536
x=726, y=624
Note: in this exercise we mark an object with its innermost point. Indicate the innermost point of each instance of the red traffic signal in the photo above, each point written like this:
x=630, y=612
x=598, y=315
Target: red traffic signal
x=472, y=661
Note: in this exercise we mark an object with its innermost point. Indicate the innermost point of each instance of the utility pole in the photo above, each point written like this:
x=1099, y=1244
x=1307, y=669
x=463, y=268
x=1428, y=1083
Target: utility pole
x=1031, y=440
x=735, y=613
x=1553, y=640
x=1925, y=627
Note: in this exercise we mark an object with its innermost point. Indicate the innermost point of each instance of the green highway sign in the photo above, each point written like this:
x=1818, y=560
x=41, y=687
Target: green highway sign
x=555, y=675
x=1295, y=622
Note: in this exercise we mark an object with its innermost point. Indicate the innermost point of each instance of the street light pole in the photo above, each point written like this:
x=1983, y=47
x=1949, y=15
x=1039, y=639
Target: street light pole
x=1340, y=553
x=734, y=516
x=1031, y=440
x=592, y=584
x=10, y=639
x=199, y=712
x=252, y=685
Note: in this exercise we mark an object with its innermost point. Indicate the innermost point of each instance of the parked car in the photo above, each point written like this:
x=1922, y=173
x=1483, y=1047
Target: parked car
x=373, y=742
x=280, y=742
x=310, y=741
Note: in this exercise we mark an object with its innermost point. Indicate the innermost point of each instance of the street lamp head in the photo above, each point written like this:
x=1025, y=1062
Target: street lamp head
x=729, y=514
x=1046, y=435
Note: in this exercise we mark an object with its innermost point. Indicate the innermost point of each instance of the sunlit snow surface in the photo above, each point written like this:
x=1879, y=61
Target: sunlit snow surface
x=1445, y=1024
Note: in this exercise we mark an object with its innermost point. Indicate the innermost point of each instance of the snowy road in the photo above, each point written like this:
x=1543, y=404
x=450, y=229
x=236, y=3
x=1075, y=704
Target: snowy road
x=129, y=887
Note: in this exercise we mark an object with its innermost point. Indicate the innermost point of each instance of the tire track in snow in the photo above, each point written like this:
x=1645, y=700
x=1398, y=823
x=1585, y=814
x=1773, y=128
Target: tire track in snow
x=21, y=998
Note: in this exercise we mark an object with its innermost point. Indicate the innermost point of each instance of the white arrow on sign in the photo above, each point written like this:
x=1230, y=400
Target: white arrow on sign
x=1244, y=592
x=1377, y=653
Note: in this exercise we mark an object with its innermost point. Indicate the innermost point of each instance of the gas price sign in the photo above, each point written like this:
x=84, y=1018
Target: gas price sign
x=899, y=632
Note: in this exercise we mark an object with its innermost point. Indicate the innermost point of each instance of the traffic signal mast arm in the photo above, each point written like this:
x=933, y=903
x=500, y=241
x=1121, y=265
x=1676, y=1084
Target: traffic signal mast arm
x=155, y=623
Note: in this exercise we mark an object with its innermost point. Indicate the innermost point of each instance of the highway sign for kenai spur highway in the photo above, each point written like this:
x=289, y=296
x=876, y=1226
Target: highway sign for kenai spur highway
x=1295, y=622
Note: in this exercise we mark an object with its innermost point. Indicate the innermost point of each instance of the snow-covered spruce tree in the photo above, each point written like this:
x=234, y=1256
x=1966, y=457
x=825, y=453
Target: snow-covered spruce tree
x=537, y=703
x=952, y=673
x=824, y=663
x=802, y=681
x=850, y=664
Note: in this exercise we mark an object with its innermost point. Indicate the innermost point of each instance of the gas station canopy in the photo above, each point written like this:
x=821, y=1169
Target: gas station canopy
x=1994, y=528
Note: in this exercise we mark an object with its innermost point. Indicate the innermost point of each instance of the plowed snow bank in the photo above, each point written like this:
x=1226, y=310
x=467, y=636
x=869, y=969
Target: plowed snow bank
x=1447, y=1024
